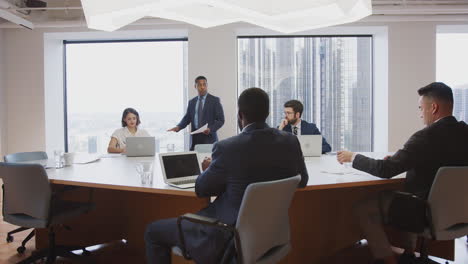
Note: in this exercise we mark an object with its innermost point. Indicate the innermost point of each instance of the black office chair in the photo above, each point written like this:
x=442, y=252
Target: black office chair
x=261, y=233
x=36, y=156
x=28, y=201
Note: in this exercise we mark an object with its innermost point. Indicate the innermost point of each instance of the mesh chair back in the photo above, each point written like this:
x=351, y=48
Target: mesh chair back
x=27, y=190
x=263, y=220
x=203, y=148
x=25, y=156
x=448, y=202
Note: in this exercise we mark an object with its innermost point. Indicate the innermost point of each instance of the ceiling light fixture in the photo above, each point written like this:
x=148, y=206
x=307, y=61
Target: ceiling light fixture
x=279, y=15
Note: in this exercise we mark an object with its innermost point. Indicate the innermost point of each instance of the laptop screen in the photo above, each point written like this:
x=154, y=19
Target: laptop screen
x=182, y=165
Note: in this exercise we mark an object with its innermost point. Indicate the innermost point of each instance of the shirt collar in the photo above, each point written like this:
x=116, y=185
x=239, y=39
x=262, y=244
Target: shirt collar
x=298, y=124
x=243, y=129
x=255, y=125
x=128, y=131
x=203, y=97
x=442, y=118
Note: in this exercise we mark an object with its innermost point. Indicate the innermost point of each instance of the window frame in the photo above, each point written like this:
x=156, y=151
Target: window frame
x=71, y=42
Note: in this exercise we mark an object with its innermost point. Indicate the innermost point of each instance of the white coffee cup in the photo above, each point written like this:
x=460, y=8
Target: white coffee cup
x=68, y=158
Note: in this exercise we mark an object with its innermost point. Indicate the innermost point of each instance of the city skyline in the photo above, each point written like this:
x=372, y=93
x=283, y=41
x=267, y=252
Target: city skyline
x=331, y=76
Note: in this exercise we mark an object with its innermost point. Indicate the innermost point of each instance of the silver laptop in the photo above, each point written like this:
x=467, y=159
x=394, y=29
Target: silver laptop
x=180, y=169
x=311, y=145
x=140, y=146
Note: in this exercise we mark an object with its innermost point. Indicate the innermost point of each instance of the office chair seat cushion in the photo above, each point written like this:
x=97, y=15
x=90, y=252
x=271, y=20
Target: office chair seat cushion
x=61, y=211
x=25, y=220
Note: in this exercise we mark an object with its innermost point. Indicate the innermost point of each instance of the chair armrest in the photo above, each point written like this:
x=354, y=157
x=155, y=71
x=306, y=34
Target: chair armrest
x=199, y=219
x=204, y=220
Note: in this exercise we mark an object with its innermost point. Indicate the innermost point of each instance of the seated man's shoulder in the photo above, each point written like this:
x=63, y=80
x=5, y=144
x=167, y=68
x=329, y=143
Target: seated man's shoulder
x=310, y=124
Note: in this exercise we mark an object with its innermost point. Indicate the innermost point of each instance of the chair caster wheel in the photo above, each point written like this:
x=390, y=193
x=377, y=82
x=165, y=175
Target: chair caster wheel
x=9, y=239
x=21, y=249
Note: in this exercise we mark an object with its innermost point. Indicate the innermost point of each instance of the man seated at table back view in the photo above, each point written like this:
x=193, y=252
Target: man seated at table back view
x=259, y=153
x=293, y=123
x=443, y=142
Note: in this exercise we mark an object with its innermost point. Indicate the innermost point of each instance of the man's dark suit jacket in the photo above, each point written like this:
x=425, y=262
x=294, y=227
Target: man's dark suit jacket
x=212, y=114
x=443, y=143
x=310, y=129
x=257, y=154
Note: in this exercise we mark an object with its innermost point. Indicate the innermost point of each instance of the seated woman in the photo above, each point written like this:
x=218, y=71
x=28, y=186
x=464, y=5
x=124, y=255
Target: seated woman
x=130, y=122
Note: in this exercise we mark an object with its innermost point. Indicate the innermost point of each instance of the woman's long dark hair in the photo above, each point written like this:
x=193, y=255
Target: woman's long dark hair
x=128, y=111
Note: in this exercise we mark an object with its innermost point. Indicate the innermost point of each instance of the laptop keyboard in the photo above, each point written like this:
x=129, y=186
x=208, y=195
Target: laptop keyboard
x=184, y=182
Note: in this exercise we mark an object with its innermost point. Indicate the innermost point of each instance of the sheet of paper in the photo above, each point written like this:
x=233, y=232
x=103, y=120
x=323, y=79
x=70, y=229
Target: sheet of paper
x=111, y=155
x=333, y=171
x=200, y=130
x=85, y=158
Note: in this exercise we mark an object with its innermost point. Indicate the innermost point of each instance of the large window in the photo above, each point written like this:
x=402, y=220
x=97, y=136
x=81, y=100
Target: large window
x=332, y=76
x=104, y=78
x=452, y=56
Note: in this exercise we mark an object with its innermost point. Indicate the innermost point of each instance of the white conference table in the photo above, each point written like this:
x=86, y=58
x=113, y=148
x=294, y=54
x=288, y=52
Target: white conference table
x=119, y=173
x=321, y=213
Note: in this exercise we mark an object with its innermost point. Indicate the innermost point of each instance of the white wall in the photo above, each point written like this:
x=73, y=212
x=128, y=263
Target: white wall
x=23, y=68
x=412, y=64
x=212, y=52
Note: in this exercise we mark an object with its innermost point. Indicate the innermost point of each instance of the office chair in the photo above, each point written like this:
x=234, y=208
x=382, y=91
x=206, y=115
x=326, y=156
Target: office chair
x=261, y=233
x=28, y=201
x=447, y=202
x=40, y=157
x=203, y=148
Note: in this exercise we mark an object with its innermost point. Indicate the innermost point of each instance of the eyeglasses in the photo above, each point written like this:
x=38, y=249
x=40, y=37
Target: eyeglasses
x=288, y=113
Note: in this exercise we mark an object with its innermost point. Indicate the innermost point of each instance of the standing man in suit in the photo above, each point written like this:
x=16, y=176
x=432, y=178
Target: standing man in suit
x=237, y=162
x=443, y=142
x=293, y=123
x=203, y=109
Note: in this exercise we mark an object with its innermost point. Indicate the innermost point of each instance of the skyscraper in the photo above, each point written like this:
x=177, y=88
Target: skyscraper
x=332, y=76
x=460, y=102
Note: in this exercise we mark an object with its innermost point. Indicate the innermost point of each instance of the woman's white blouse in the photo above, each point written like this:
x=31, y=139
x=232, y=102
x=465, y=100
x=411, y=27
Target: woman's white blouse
x=121, y=135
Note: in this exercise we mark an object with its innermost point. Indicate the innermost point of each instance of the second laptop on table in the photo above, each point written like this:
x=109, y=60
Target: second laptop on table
x=311, y=145
x=180, y=169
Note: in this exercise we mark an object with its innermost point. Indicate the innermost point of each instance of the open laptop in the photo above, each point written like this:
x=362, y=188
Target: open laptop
x=180, y=169
x=140, y=146
x=311, y=145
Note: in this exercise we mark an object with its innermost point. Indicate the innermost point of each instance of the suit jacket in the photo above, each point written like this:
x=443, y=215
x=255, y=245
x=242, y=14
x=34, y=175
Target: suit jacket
x=310, y=129
x=255, y=155
x=212, y=114
x=443, y=143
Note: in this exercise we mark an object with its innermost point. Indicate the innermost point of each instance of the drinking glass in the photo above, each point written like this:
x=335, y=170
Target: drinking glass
x=58, y=158
x=145, y=169
x=170, y=147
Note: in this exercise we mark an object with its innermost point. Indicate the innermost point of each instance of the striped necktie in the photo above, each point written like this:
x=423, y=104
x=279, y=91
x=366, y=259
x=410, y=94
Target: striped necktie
x=295, y=130
x=200, y=111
